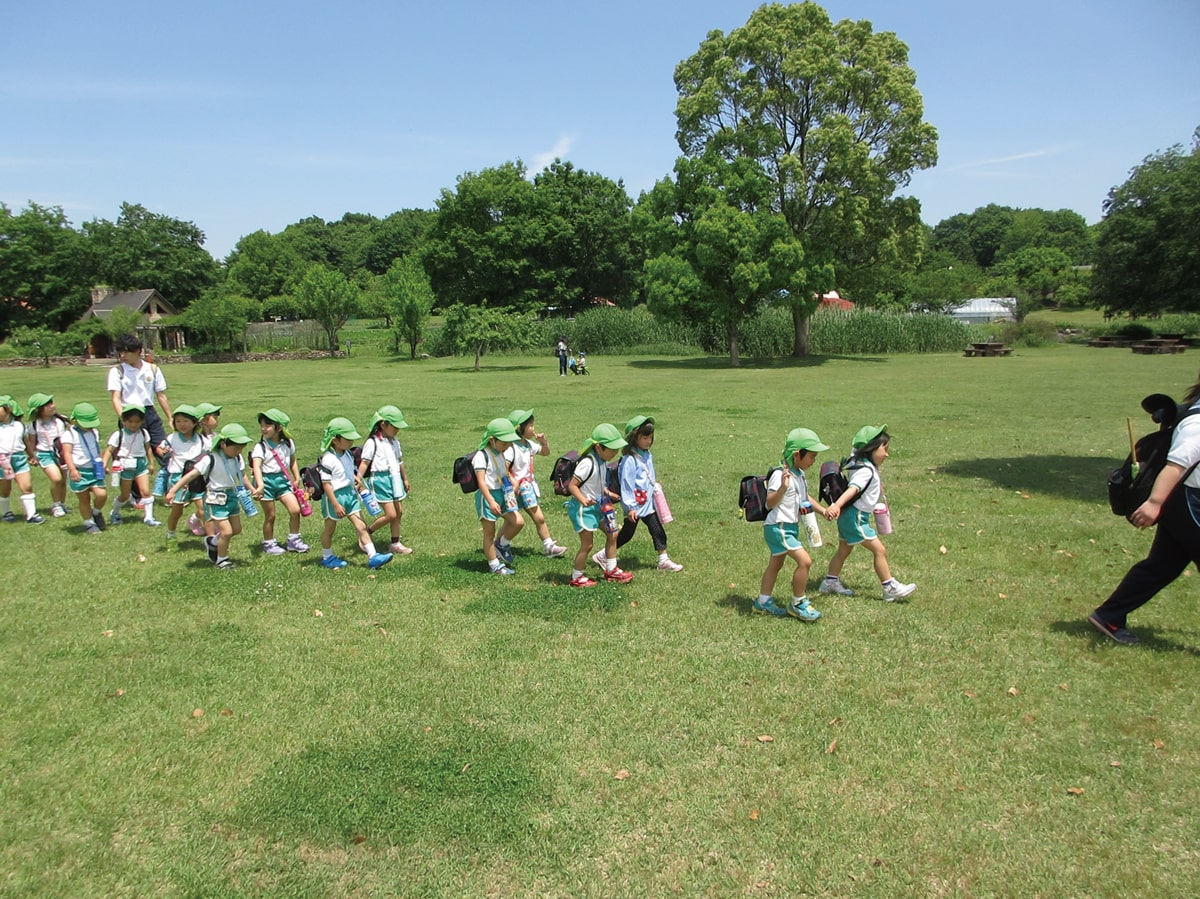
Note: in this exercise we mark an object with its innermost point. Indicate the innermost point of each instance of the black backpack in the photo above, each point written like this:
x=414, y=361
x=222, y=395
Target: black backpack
x=199, y=483
x=564, y=470
x=310, y=482
x=752, y=496
x=834, y=481
x=1126, y=489
x=464, y=474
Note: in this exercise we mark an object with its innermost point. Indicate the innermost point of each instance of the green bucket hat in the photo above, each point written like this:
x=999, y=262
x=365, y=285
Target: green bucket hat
x=190, y=411
x=519, y=416
x=203, y=409
x=233, y=433
x=338, y=427
x=38, y=400
x=605, y=435
x=636, y=422
x=799, y=439
x=501, y=429
x=133, y=407
x=866, y=434
x=85, y=415
x=391, y=415
x=279, y=417
x=13, y=406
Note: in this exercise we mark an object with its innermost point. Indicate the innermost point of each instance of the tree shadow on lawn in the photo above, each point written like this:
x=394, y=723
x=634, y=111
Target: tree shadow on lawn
x=1080, y=478
x=721, y=363
x=489, y=368
x=1154, y=639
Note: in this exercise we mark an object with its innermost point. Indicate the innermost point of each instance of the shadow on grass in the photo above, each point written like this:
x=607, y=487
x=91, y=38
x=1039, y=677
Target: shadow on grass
x=1081, y=478
x=1152, y=638
x=743, y=605
x=721, y=363
x=453, y=783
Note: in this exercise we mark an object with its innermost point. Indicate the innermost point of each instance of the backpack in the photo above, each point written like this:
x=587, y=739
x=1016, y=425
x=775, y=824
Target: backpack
x=834, y=481
x=310, y=482
x=464, y=474
x=752, y=496
x=1126, y=489
x=564, y=470
x=199, y=483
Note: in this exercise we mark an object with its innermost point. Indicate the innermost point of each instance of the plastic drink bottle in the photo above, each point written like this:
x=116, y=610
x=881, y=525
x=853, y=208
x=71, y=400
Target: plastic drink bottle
x=809, y=518
x=160, y=482
x=371, y=501
x=247, y=502
x=608, y=516
x=302, y=500
x=883, y=519
x=661, y=507
x=510, y=495
x=115, y=480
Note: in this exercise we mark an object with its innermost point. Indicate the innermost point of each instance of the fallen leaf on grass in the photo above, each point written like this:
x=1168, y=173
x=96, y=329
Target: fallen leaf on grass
x=942, y=549
x=1076, y=791
x=1003, y=595
x=835, y=722
x=226, y=712
x=317, y=613
x=197, y=713
x=831, y=748
x=141, y=558
x=106, y=633
x=358, y=838
x=970, y=694
x=1013, y=691
x=754, y=815
x=623, y=774
x=119, y=693
x=1114, y=764
x=765, y=738
x=1064, y=687
x=1157, y=744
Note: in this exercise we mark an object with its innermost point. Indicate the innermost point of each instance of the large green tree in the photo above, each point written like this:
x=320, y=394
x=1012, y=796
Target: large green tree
x=43, y=274
x=263, y=265
x=327, y=297
x=409, y=298
x=830, y=112
x=144, y=249
x=1148, y=248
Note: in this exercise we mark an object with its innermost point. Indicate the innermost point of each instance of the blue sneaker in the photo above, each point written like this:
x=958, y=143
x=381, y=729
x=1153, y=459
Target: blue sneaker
x=333, y=563
x=379, y=560
x=503, y=570
x=802, y=610
x=114, y=517
x=768, y=607
x=505, y=553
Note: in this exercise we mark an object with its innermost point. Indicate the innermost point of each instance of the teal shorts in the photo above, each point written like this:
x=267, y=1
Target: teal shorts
x=782, y=538
x=48, y=459
x=19, y=462
x=140, y=467
x=583, y=518
x=348, y=497
x=187, y=495
x=87, y=480
x=221, y=504
x=386, y=489
x=275, y=486
x=483, y=510
x=854, y=526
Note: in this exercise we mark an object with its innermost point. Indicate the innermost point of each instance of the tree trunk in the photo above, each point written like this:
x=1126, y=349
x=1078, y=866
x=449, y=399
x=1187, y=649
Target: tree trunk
x=731, y=330
x=478, y=354
x=801, y=319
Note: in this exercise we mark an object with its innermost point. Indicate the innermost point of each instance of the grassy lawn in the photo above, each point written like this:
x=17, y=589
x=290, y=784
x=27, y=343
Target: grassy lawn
x=432, y=730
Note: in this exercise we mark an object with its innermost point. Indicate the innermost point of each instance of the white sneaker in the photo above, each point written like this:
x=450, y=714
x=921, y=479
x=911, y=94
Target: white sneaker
x=668, y=565
x=272, y=548
x=895, y=590
x=400, y=549
x=57, y=510
x=599, y=559
x=835, y=586
x=554, y=551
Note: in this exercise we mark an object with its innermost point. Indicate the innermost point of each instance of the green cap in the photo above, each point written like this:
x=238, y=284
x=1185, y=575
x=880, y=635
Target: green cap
x=501, y=429
x=519, y=416
x=203, y=409
x=13, y=406
x=866, y=434
x=338, y=427
x=636, y=422
x=278, y=416
x=802, y=439
x=189, y=411
x=133, y=407
x=233, y=433
x=606, y=435
x=85, y=415
x=38, y=400
x=391, y=415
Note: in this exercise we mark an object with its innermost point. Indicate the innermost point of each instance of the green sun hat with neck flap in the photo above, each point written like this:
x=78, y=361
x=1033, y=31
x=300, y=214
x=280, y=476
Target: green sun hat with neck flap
x=501, y=429
x=133, y=407
x=85, y=415
x=636, y=422
x=233, y=433
x=13, y=406
x=519, y=416
x=391, y=414
x=605, y=435
x=38, y=400
x=866, y=434
x=338, y=427
x=189, y=411
x=279, y=417
x=799, y=440
x=203, y=409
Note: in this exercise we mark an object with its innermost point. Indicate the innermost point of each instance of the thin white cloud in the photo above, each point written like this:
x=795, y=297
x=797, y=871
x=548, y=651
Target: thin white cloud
x=1015, y=157
x=559, y=151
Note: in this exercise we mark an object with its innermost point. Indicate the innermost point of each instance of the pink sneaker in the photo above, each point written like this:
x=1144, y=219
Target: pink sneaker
x=400, y=549
x=668, y=565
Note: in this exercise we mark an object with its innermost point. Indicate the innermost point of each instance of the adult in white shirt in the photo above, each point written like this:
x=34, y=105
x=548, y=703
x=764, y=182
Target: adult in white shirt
x=135, y=382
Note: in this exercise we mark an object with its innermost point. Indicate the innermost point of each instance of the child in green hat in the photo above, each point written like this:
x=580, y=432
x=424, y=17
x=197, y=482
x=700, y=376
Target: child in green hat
x=787, y=494
x=85, y=465
x=273, y=465
x=339, y=482
x=381, y=469
x=496, y=497
x=14, y=463
x=43, y=438
x=186, y=445
x=529, y=443
x=853, y=513
x=590, y=506
x=639, y=486
x=129, y=450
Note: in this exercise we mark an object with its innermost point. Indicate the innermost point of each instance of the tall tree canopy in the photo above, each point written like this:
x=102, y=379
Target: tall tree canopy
x=830, y=112
x=43, y=274
x=1148, y=248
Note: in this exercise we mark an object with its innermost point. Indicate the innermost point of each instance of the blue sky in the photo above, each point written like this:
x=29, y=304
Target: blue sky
x=248, y=115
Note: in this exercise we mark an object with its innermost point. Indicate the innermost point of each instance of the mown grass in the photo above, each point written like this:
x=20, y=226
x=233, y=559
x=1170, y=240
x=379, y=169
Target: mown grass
x=432, y=730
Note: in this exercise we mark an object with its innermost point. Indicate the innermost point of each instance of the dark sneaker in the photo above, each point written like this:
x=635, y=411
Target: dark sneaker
x=36, y=519
x=1119, y=634
x=98, y=519
x=210, y=544
x=505, y=554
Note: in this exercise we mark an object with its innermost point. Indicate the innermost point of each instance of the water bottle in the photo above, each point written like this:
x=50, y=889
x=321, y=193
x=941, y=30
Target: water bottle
x=811, y=528
x=371, y=501
x=661, y=507
x=247, y=502
x=883, y=519
x=160, y=482
x=510, y=495
x=115, y=479
x=608, y=517
x=302, y=500
x=98, y=471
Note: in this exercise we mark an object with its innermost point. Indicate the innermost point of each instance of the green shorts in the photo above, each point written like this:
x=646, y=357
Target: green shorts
x=275, y=486
x=221, y=504
x=348, y=497
x=854, y=526
x=583, y=518
x=782, y=538
x=87, y=480
x=386, y=488
x=19, y=462
x=48, y=459
x=139, y=467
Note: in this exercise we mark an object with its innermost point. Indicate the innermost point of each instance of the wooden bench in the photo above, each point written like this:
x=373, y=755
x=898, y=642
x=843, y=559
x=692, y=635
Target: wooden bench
x=987, y=349
x=1158, y=347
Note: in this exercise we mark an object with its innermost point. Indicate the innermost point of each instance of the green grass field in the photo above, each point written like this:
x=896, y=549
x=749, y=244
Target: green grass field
x=432, y=730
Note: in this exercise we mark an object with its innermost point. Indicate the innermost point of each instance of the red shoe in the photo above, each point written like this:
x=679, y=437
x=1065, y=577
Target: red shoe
x=619, y=575
x=582, y=581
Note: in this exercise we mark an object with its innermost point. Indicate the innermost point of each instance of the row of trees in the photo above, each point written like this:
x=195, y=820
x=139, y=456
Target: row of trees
x=796, y=135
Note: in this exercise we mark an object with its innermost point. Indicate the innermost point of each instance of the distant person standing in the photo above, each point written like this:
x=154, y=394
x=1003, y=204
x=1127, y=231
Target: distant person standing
x=561, y=352
x=135, y=382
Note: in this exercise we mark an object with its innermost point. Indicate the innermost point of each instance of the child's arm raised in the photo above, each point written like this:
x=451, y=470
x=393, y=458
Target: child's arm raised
x=775, y=497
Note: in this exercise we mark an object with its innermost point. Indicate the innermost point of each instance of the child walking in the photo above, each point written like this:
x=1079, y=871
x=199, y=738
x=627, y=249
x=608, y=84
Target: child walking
x=519, y=456
x=225, y=470
x=496, y=497
x=864, y=493
x=586, y=509
x=273, y=464
x=787, y=492
x=186, y=446
x=42, y=438
x=128, y=451
x=383, y=458
x=638, y=485
x=85, y=465
x=14, y=464
x=210, y=421
x=338, y=477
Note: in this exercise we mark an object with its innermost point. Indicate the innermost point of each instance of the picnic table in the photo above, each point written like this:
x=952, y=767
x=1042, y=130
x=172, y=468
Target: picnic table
x=1167, y=345
x=988, y=348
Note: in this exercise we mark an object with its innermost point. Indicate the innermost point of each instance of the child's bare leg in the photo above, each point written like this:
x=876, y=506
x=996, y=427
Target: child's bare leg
x=389, y=517
x=539, y=522
x=585, y=550
x=800, y=577
x=767, y=585
x=489, y=539
x=327, y=533
x=839, y=558
x=513, y=523
x=882, y=570
x=268, y=510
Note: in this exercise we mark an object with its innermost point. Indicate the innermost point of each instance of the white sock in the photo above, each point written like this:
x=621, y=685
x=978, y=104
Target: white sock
x=326, y=553
x=5, y=505
x=495, y=564
x=29, y=504
x=548, y=542
x=609, y=564
x=576, y=574
x=504, y=543
x=764, y=598
x=663, y=557
x=369, y=546
x=148, y=509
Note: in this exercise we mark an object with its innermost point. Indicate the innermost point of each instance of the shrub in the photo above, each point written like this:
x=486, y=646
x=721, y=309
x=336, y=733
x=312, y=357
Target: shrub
x=1029, y=333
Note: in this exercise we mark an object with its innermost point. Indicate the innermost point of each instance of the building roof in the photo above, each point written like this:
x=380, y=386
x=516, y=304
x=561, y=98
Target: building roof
x=149, y=301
